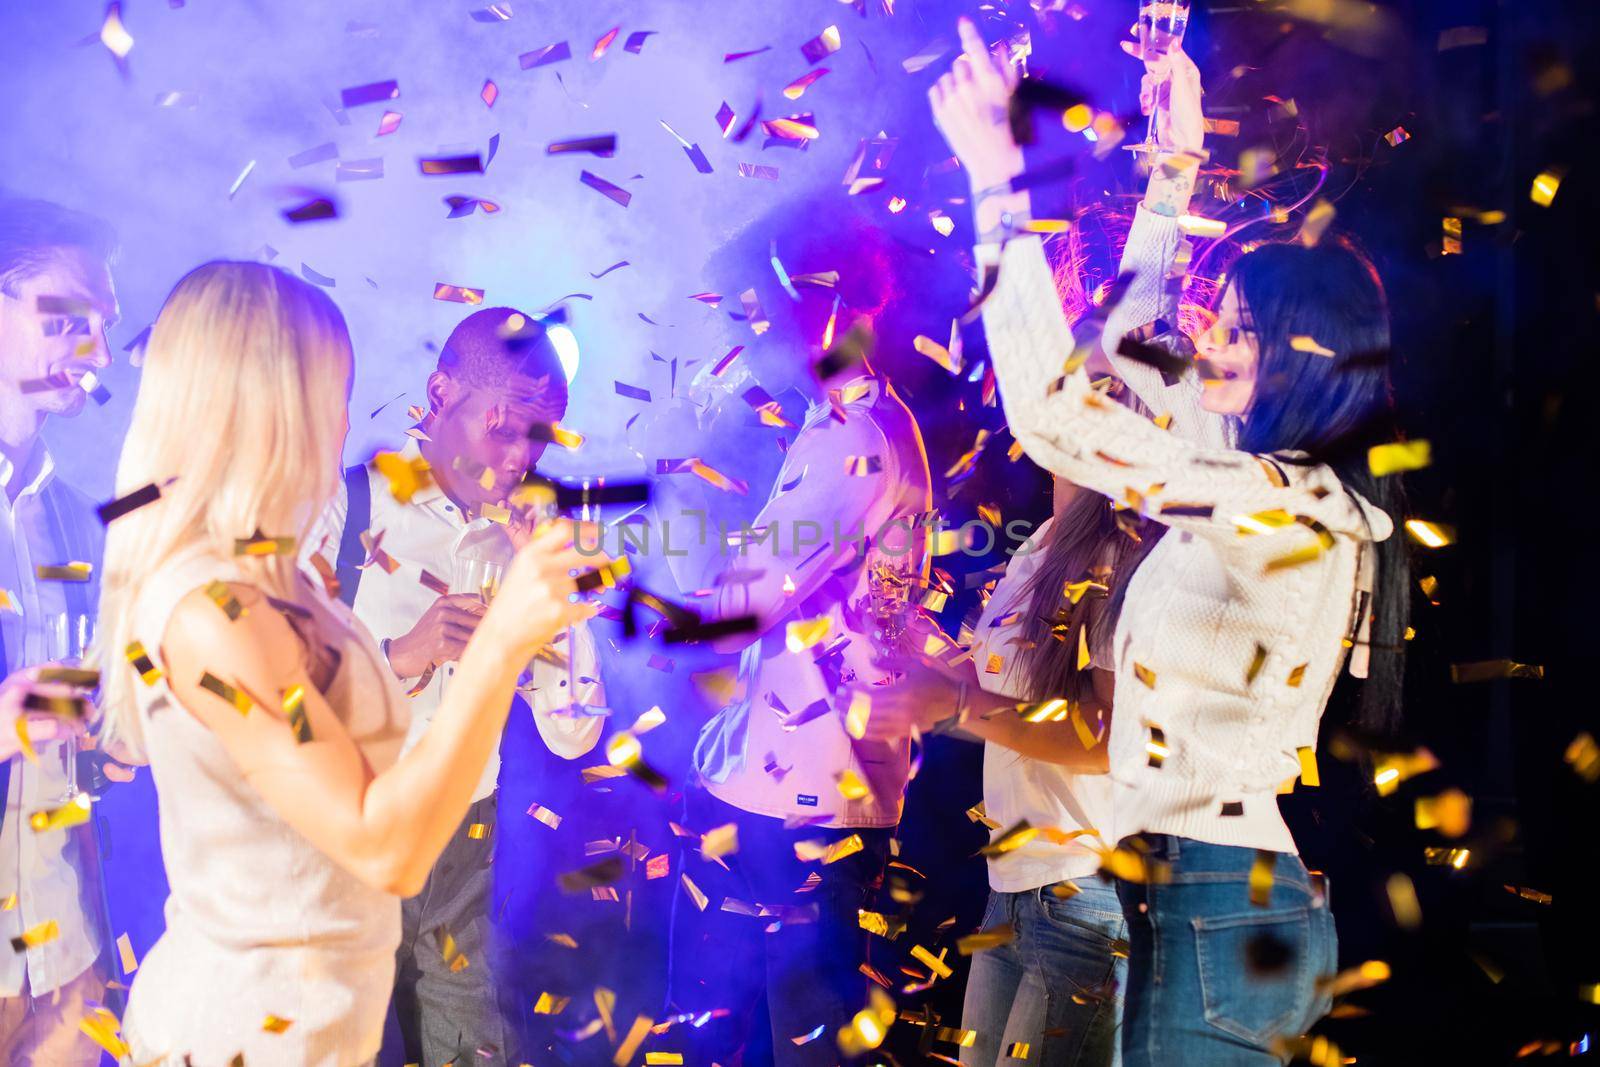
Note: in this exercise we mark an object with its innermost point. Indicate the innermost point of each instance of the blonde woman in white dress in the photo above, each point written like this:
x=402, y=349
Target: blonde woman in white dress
x=290, y=823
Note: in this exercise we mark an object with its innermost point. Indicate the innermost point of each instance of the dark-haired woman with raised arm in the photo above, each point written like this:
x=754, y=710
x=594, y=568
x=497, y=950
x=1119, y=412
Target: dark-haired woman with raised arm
x=1278, y=566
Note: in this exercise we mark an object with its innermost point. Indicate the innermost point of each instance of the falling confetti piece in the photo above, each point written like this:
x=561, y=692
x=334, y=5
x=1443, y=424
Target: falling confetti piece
x=389, y=123
x=545, y=815
x=1399, y=456
x=369, y=94
x=489, y=93
x=1302, y=343
x=801, y=634
x=136, y=655
x=1397, y=136
x=542, y=57
x=457, y=294
x=612, y=192
x=40, y=934
x=115, y=36
x=1545, y=187
x=435, y=166
x=821, y=46
x=1430, y=534
x=1493, y=670
x=276, y=1025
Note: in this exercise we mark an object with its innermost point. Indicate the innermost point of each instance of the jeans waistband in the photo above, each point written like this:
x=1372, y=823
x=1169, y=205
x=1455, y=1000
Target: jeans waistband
x=1189, y=860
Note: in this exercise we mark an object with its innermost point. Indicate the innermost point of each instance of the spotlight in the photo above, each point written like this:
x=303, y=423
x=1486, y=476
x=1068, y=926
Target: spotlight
x=566, y=345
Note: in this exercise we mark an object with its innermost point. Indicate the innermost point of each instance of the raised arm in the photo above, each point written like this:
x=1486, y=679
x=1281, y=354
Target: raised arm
x=1149, y=255
x=386, y=828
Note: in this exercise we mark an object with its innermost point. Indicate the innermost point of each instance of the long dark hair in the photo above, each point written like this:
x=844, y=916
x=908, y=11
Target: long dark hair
x=1332, y=408
x=1086, y=541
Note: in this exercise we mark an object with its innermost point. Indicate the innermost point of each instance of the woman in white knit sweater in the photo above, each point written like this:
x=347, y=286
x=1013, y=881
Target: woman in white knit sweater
x=1278, y=565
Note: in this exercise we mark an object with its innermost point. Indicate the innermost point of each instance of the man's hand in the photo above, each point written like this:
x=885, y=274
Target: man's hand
x=39, y=726
x=438, y=637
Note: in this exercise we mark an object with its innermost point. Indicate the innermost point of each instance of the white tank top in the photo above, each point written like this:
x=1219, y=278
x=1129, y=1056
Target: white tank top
x=259, y=921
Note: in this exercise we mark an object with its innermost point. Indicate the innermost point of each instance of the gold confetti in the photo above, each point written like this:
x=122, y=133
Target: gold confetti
x=1390, y=769
x=113, y=34
x=818, y=849
x=850, y=785
x=1493, y=669
x=237, y=697
x=1365, y=976
x=9, y=903
x=261, y=545
x=74, y=812
x=1399, y=456
x=102, y=1027
x=554, y=433
x=1156, y=746
x=1145, y=675
x=294, y=708
x=869, y=1026
x=1533, y=895
x=862, y=466
x=545, y=815
x=223, y=597
x=696, y=894
x=936, y=964
x=1430, y=534
x=719, y=842
x=404, y=476
x=1303, y=343
x=802, y=634
x=276, y=1025
x=994, y=937
x=64, y=572
x=857, y=715
x=1583, y=756
x=130, y=962
x=1545, y=187
x=1446, y=857
x=665, y=1058
x=936, y=352
x=1450, y=813
x=1257, y=661
x=477, y=831
x=977, y=814
x=1018, y=1050
x=630, y=1044
x=1403, y=902
x=550, y=1004
x=1261, y=877
x=1297, y=675
x=1011, y=839
x=1196, y=226
x=1316, y=223
x=1308, y=766
x=452, y=956
x=33, y=937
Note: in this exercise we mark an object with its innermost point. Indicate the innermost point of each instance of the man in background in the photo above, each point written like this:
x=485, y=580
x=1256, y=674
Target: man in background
x=777, y=765
x=56, y=304
x=498, y=388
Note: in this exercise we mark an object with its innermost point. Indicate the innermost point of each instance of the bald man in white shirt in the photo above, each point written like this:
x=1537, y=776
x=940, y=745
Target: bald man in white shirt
x=498, y=382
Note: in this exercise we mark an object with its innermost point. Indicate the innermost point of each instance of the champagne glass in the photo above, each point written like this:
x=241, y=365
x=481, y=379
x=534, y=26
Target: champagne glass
x=68, y=636
x=1160, y=29
x=889, y=604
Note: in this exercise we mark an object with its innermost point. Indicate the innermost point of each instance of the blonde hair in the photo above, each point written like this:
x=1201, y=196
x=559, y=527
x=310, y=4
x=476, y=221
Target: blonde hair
x=239, y=420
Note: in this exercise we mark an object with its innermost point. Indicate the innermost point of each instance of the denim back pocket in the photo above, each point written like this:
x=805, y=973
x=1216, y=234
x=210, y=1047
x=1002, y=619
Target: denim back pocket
x=1255, y=971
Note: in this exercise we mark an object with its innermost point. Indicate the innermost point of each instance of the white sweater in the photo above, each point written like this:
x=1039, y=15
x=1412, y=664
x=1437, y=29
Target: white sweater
x=1208, y=596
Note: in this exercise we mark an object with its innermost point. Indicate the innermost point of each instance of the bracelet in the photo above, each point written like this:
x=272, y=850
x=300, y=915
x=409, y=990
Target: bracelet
x=1010, y=225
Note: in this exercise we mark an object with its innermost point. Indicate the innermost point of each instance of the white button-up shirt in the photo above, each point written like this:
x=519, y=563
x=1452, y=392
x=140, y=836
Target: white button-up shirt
x=39, y=868
x=423, y=534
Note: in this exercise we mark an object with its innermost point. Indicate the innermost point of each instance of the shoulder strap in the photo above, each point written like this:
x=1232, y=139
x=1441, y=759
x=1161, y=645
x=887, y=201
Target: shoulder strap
x=357, y=517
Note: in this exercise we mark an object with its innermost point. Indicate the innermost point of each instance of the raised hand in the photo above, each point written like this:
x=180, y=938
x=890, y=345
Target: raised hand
x=537, y=597
x=970, y=104
x=1171, y=83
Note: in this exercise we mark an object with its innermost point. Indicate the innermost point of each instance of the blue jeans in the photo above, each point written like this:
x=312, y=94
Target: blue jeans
x=1056, y=987
x=1215, y=978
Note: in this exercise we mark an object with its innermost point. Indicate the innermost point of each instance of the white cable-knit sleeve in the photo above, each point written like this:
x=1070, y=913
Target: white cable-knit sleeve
x=1148, y=256
x=1070, y=430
